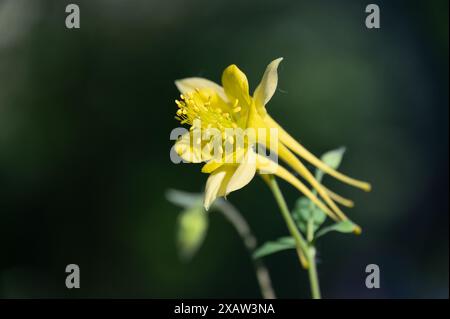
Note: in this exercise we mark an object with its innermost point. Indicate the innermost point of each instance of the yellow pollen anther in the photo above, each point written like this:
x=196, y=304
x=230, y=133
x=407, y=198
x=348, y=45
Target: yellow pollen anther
x=209, y=108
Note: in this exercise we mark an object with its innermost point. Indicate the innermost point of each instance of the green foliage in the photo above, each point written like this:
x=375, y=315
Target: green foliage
x=306, y=211
x=345, y=226
x=333, y=159
x=272, y=247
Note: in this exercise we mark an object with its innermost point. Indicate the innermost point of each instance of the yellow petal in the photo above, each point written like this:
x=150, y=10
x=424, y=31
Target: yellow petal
x=190, y=151
x=235, y=85
x=303, y=152
x=190, y=84
x=185, y=149
x=213, y=186
x=216, y=184
x=231, y=158
x=244, y=173
x=211, y=166
x=267, y=86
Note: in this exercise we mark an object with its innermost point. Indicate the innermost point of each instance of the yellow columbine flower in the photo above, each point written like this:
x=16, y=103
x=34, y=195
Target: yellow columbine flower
x=205, y=105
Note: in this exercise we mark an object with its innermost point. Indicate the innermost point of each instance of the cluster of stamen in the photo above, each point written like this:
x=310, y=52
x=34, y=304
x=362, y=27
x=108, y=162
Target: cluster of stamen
x=207, y=108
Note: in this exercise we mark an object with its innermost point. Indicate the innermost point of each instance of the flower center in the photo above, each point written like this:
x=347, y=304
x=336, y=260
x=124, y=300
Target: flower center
x=207, y=107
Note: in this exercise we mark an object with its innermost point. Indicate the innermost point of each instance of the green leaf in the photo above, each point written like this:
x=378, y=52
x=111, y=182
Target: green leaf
x=345, y=226
x=333, y=159
x=304, y=210
x=272, y=247
x=191, y=231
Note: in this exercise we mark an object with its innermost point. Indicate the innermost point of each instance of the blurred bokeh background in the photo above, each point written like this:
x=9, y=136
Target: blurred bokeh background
x=85, y=117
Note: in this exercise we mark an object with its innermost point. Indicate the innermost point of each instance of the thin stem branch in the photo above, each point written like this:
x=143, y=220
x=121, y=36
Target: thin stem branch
x=243, y=229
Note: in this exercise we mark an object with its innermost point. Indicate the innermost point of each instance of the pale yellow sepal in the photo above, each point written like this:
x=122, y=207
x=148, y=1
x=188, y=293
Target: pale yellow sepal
x=188, y=85
x=267, y=86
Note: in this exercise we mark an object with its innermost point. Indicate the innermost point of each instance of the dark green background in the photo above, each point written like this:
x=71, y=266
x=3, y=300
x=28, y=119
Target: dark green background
x=85, y=117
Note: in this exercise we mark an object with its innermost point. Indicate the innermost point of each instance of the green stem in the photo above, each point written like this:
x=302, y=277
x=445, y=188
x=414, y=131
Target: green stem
x=302, y=247
x=312, y=273
x=312, y=270
x=310, y=230
x=306, y=251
